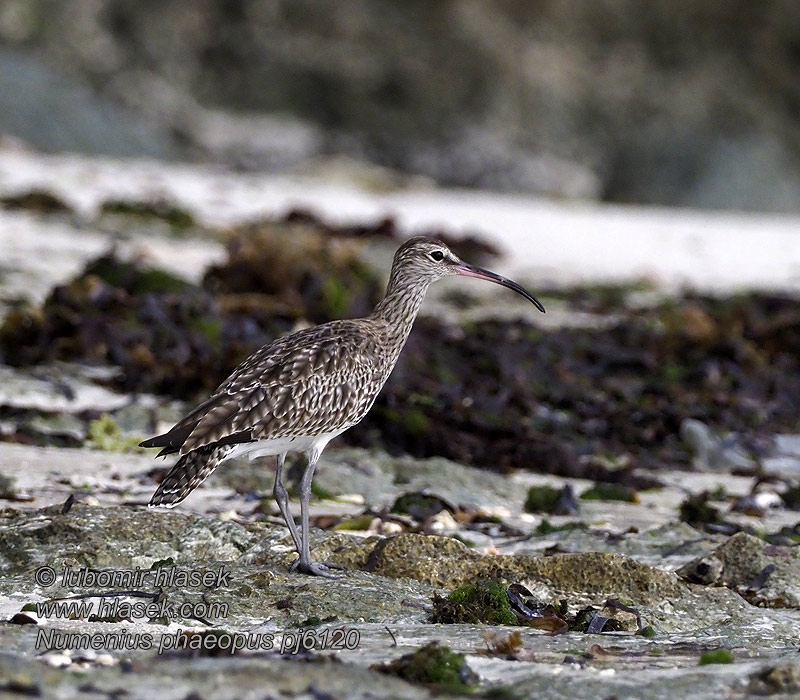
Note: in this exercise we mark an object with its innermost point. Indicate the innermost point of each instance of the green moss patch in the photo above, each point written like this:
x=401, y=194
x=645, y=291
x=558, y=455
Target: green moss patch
x=161, y=210
x=611, y=492
x=482, y=602
x=716, y=656
x=434, y=665
x=547, y=499
x=105, y=434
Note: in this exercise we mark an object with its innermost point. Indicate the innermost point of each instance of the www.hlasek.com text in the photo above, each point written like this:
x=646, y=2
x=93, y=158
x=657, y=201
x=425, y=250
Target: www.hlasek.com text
x=118, y=609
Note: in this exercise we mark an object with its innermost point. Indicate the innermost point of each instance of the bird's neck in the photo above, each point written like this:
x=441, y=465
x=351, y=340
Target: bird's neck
x=398, y=309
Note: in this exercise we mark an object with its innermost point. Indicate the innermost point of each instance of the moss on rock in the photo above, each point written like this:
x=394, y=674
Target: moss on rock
x=482, y=602
x=433, y=664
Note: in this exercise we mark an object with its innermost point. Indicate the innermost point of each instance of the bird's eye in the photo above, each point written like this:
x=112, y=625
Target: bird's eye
x=437, y=255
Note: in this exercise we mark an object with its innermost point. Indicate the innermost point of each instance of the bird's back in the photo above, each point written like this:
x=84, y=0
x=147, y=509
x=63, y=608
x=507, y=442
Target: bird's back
x=318, y=380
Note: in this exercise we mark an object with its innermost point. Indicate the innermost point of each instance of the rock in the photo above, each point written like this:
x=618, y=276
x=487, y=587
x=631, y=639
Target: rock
x=705, y=570
x=113, y=537
x=780, y=679
x=764, y=574
x=31, y=92
x=586, y=578
x=712, y=453
x=55, y=389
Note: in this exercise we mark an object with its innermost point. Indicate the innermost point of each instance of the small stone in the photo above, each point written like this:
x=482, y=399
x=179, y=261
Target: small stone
x=444, y=522
x=24, y=618
x=355, y=498
x=58, y=660
x=704, y=571
x=391, y=528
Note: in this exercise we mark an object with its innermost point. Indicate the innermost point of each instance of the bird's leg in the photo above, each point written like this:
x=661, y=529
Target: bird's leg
x=282, y=499
x=304, y=562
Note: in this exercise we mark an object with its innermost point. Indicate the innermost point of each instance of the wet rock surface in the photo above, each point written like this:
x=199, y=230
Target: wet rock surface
x=763, y=573
x=387, y=597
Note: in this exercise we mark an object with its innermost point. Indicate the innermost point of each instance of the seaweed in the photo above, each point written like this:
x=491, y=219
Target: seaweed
x=105, y=434
x=601, y=403
x=172, y=337
x=699, y=513
x=610, y=492
x=39, y=201
x=307, y=275
x=559, y=401
x=419, y=505
x=716, y=656
x=482, y=602
x=433, y=665
x=162, y=210
x=546, y=499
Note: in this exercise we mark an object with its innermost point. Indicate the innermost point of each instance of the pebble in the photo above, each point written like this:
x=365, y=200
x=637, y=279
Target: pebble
x=58, y=660
x=355, y=498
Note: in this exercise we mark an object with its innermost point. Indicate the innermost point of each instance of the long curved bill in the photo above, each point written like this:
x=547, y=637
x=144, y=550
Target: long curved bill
x=481, y=274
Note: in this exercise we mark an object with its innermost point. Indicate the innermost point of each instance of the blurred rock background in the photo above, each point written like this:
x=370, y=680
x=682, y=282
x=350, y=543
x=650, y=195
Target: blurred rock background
x=672, y=102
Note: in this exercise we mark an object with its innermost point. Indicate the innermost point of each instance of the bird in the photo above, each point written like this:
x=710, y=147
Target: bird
x=304, y=389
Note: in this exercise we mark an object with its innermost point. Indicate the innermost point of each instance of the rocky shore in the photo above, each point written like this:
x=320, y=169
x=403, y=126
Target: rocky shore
x=599, y=502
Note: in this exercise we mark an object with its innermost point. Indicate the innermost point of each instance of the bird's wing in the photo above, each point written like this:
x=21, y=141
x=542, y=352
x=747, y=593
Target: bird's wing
x=314, y=381
x=172, y=440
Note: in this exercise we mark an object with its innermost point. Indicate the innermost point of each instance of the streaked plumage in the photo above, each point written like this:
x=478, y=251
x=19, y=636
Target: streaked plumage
x=299, y=392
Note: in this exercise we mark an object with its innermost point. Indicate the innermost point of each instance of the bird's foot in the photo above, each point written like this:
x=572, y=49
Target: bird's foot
x=317, y=568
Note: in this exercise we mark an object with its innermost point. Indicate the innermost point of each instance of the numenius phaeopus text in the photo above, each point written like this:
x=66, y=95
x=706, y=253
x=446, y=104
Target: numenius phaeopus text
x=306, y=388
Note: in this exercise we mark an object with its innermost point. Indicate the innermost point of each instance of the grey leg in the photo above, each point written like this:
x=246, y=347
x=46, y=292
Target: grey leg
x=282, y=499
x=304, y=563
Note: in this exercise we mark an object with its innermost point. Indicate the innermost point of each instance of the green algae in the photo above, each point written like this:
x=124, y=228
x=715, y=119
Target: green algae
x=547, y=528
x=360, y=522
x=482, y=602
x=716, y=656
x=544, y=499
x=171, y=214
x=321, y=492
x=435, y=665
x=135, y=278
x=105, y=434
x=35, y=200
x=698, y=512
x=610, y=492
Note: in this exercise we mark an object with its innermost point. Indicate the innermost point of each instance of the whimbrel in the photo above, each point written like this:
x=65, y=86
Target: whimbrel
x=300, y=392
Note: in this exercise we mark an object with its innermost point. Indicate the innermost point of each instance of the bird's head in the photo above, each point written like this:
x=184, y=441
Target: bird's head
x=425, y=260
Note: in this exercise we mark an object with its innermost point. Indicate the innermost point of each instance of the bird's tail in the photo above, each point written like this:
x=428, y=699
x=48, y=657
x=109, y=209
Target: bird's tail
x=189, y=472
